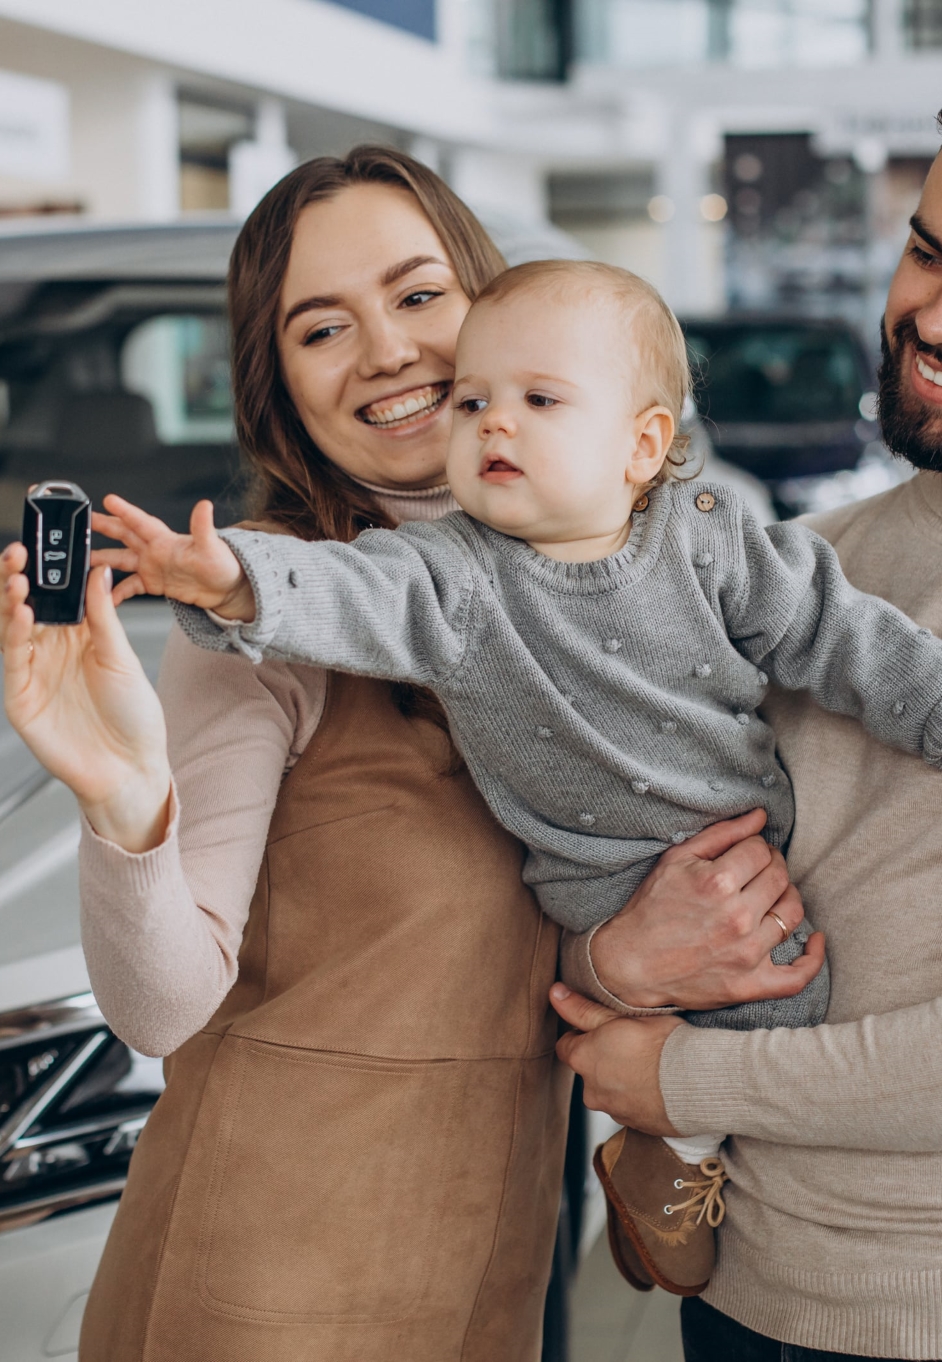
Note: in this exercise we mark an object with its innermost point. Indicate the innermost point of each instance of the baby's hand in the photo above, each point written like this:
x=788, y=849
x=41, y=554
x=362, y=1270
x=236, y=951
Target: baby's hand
x=198, y=568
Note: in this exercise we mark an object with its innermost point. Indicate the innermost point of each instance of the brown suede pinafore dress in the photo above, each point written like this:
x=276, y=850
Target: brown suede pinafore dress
x=359, y=1158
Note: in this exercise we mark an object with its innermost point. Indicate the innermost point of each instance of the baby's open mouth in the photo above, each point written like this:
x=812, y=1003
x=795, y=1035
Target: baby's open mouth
x=495, y=468
x=405, y=407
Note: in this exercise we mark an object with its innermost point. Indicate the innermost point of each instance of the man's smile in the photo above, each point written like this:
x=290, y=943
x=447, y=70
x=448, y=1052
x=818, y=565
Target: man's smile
x=926, y=378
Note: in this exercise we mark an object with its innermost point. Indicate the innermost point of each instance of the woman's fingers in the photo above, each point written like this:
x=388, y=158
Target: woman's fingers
x=12, y=560
x=17, y=652
x=784, y=981
x=580, y=1012
x=107, y=636
x=719, y=838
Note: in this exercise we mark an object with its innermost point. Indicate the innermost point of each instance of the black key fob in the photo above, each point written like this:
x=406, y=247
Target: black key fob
x=57, y=532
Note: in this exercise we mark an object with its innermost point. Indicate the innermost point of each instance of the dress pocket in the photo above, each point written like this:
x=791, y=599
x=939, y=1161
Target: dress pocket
x=325, y=1197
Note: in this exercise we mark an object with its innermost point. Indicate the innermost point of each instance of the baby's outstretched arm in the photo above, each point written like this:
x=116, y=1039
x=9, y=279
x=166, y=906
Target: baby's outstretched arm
x=198, y=568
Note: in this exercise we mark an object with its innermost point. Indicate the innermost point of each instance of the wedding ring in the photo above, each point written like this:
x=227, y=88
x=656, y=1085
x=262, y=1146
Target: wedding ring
x=785, y=932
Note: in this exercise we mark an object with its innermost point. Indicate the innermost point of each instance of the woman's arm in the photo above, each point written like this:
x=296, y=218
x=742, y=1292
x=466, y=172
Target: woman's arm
x=697, y=933
x=162, y=930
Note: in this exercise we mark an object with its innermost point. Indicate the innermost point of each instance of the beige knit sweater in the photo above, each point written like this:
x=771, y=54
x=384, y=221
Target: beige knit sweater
x=833, y=1238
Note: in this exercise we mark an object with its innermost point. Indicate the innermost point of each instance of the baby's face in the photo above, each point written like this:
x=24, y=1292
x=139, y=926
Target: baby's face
x=544, y=422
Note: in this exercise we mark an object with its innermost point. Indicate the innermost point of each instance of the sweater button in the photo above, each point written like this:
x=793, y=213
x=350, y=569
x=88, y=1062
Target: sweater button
x=769, y=780
x=640, y=786
x=742, y=717
x=899, y=706
x=587, y=820
x=543, y=732
x=668, y=726
x=703, y=560
x=703, y=670
x=612, y=645
x=705, y=501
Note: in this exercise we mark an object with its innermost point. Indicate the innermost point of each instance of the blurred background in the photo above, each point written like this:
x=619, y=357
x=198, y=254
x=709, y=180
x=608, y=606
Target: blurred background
x=757, y=160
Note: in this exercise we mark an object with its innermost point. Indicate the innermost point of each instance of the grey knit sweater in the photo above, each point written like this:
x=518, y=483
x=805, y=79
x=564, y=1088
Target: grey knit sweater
x=605, y=709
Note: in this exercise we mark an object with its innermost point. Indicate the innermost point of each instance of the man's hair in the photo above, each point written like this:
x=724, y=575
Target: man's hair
x=663, y=379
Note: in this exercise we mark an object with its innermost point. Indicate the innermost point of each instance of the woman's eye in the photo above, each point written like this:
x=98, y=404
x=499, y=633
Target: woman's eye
x=419, y=297
x=472, y=405
x=924, y=258
x=322, y=333
x=540, y=400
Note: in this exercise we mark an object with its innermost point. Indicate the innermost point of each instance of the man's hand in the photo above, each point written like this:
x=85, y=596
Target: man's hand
x=697, y=934
x=198, y=568
x=618, y=1059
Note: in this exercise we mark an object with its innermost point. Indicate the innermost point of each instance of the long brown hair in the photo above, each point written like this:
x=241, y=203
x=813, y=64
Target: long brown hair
x=294, y=484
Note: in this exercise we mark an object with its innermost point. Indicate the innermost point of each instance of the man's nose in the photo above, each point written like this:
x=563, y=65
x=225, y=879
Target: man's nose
x=929, y=318
x=387, y=347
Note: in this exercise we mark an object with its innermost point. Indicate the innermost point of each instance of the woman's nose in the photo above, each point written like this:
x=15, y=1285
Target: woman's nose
x=387, y=347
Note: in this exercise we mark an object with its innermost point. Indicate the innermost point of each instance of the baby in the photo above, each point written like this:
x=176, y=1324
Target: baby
x=600, y=634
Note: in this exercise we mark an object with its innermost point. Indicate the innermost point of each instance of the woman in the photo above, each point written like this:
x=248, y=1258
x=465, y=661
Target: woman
x=359, y=1151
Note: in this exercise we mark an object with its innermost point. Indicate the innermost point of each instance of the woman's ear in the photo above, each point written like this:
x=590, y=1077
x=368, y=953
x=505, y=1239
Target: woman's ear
x=654, y=432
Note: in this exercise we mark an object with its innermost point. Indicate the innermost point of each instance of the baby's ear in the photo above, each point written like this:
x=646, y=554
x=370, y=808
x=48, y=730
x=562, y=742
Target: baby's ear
x=653, y=436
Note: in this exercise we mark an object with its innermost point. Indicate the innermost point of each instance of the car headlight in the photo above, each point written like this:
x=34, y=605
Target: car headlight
x=73, y=1100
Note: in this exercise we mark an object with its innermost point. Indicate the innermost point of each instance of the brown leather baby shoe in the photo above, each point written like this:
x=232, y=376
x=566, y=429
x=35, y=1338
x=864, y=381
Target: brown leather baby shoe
x=662, y=1212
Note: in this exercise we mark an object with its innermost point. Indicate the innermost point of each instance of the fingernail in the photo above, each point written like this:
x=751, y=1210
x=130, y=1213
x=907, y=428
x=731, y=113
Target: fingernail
x=109, y=577
x=560, y=992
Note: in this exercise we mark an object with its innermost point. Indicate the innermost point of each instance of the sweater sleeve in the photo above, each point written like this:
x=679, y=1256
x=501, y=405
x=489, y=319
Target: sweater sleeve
x=162, y=930
x=392, y=604
x=871, y=1084
x=789, y=609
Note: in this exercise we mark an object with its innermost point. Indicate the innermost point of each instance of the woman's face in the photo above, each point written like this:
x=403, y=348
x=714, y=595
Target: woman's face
x=368, y=319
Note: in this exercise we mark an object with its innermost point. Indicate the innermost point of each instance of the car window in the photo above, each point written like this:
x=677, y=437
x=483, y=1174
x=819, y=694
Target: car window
x=180, y=364
x=776, y=375
x=139, y=406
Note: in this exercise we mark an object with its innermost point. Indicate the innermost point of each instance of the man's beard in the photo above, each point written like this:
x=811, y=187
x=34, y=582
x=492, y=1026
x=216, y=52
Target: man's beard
x=912, y=428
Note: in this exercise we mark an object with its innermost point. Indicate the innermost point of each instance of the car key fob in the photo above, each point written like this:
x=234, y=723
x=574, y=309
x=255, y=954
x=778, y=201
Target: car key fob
x=57, y=532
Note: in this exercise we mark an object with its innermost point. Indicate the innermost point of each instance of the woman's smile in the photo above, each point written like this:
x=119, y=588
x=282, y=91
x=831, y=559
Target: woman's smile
x=409, y=409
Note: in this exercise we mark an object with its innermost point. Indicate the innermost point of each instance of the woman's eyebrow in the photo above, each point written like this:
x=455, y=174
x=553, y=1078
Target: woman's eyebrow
x=394, y=273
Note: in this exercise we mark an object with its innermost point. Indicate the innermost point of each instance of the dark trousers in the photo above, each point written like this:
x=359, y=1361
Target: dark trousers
x=710, y=1336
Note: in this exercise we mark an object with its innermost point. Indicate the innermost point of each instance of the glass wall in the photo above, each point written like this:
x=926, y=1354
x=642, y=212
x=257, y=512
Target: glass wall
x=748, y=33
x=922, y=23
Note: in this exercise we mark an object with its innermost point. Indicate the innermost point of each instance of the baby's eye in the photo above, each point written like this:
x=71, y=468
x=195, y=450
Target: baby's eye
x=322, y=333
x=419, y=297
x=540, y=400
x=472, y=405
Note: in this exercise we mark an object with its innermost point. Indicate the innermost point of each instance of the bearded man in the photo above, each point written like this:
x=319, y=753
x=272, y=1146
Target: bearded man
x=832, y=1243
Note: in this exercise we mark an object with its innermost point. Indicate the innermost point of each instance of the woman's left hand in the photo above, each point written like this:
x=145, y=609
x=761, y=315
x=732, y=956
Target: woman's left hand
x=618, y=1059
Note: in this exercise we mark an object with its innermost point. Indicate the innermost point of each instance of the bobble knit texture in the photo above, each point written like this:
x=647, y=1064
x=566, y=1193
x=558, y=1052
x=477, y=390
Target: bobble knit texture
x=668, y=646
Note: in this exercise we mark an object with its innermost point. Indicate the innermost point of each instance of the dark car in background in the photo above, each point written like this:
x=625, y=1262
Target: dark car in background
x=793, y=402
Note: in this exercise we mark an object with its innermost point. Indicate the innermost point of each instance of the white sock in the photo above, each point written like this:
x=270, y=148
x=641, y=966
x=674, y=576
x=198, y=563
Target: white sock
x=695, y=1148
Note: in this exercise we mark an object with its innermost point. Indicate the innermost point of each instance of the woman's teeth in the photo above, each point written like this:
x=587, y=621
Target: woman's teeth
x=421, y=400
x=932, y=375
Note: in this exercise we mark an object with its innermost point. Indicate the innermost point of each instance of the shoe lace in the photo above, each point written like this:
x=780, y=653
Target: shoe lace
x=706, y=1193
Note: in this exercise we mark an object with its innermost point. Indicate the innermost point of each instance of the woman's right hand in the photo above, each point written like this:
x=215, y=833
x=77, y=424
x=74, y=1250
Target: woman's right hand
x=697, y=934
x=78, y=697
